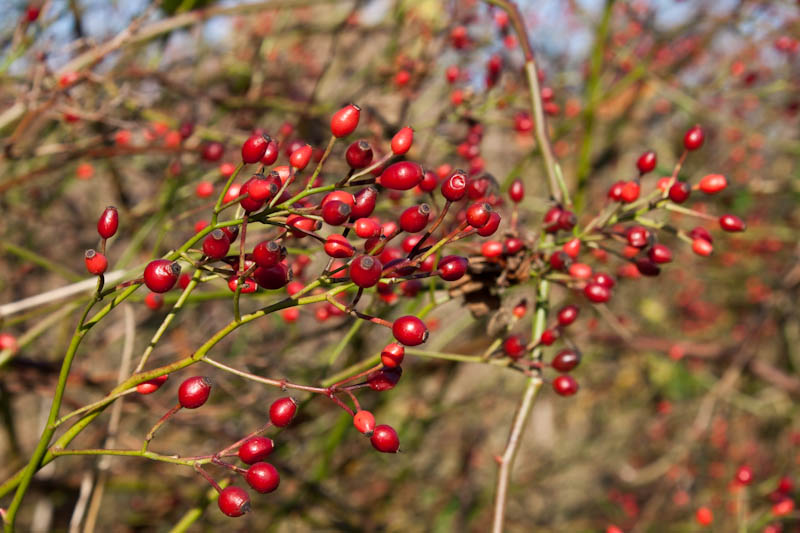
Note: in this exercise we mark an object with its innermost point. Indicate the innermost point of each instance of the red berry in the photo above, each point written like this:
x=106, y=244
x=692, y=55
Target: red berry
x=367, y=228
x=702, y=247
x=703, y=515
x=580, y=271
x=345, y=121
x=700, y=232
x=151, y=385
x=402, y=140
x=282, y=411
x=301, y=225
x=415, y=218
x=452, y=267
x=660, y=254
x=274, y=277
x=261, y=188
x=335, y=212
x=154, y=301
x=392, y=355
x=160, y=275
x=270, y=154
x=565, y=385
x=597, y=293
x=572, y=247
x=384, y=439
x=679, y=192
x=364, y=421
x=549, y=336
x=263, y=478
x=567, y=315
x=646, y=162
x=365, y=271
x=234, y=501
x=694, y=138
x=552, y=219
x=212, y=151
x=630, y=192
x=512, y=244
x=744, y=475
x=615, y=191
x=96, y=263
x=712, y=183
x=455, y=187
x=216, y=244
x=108, y=223
x=365, y=200
x=429, y=181
x=338, y=246
x=194, y=392
x=301, y=157
x=402, y=176
x=204, y=189
x=255, y=449
x=492, y=249
x=385, y=378
x=359, y=154
x=254, y=148
x=647, y=267
x=517, y=191
x=601, y=278
x=478, y=214
x=732, y=223
x=566, y=360
x=638, y=236
x=249, y=285
x=268, y=254
x=491, y=226
x=514, y=347
x=409, y=330
x=559, y=260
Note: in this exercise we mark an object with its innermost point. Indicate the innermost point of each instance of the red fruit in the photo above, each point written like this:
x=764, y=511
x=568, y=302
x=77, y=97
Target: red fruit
x=160, y=275
x=270, y=154
x=392, y=355
x=491, y=226
x=96, y=263
x=301, y=225
x=255, y=449
x=615, y=192
x=732, y=223
x=335, y=212
x=647, y=267
x=402, y=176
x=459, y=38
x=384, y=439
x=274, y=277
x=204, y=189
x=517, y=191
x=338, y=246
x=364, y=421
x=263, y=478
x=660, y=254
x=514, y=347
x=712, y=183
x=409, y=330
x=429, y=181
x=551, y=219
x=572, y=247
x=703, y=515
x=249, y=285
x=153, y=301
x=415, y=218
x=646, y=162
x=559, y=260
x=152, y=385
x=108, y=223
x=700, y=232
x=492, y=249
x=702, y=247
x=630, y=192
x=478, y=214
x=282, y=411
x=694, y=138
x=455, y=187
x=402, y=140
x=364, y=203
x=268, y=254
x=452, y=267
x=232, y=193
x=359, y=154
x=744, y=475
x=254, y=149
x=783, y=507
x=451, y=73
x=565, y=385
x=567, y=315
x=384, y=379
x=367, y=228
x=345, y=121
x=549, y=336
x=597, y=293
x=638, y=236
x=340, y=196
x=261, y=188
x=216, y=244
x=566, y=360
x=194, y=392
x=512, y=244
x=365, y=271
x=301, y=157
x=601, y=278
x=567, y=220
x=234, y=501
x=478, y=188
x=212, y=151
x=580, y=271
x=679, y=192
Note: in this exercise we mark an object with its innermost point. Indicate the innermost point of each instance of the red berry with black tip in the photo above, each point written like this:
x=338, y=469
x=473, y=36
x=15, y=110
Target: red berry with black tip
x=384, y=439
x=365, y=271
x=338, y=246
x=567, y=220
x=679, y=192
x=566, y=360
x=402, y=140
x=335, y=213
x=271, y=153
x=301, y=157
x=455, y=186
x=359, y=155
x=194, y=392
x=384, y=379
x=96, y=263
x=491, y=226
x=410, y=330
x=392, y=355
x=254, y=149
x=367, y=228
x=260, y=188
x=108, y=223
x=402, y=176
x=345, y=121
x=694, y=138
x=255, y=449
x=415, y=218
x=364, y=205
x=646, y=162
x=565, y=385
x=559, y=260
x=274, y=277
x=268, y=253
x=234, y=501
x=216, y=244
x=647, y=267
x=567, y=315
x=160, y=275
x=282, y=411
x=452, y=267
x=364, y=421
x=478, y=214
x=552, y=219
x=732, y=223
x=263, y=478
